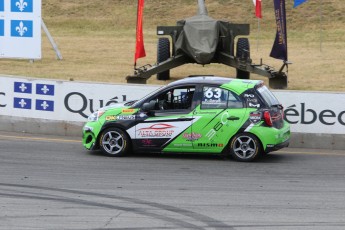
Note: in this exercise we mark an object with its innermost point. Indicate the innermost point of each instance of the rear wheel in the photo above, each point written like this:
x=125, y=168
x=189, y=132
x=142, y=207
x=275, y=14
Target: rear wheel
x=114, y=142
x=163, y=54
x=245, y=147
x=242, y=52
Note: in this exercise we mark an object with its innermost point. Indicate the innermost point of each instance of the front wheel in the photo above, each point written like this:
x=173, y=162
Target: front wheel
x=114, y=142
x=245, y=147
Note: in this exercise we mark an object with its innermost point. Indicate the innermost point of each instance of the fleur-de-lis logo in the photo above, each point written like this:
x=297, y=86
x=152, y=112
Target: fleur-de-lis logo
x=21, y=29
x=21, y=4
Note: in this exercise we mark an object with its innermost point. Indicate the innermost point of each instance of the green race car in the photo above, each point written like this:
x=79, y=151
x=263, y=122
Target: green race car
x=201, y=114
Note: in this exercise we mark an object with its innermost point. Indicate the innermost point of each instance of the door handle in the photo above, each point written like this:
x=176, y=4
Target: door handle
x=233, y=118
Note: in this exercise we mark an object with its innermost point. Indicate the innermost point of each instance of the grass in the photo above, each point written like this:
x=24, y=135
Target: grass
x=97, y=38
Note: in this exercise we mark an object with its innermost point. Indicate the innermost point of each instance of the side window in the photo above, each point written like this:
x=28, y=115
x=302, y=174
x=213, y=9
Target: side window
x=234, y=101
x=174, y=99
x=182, y=98
x=217, y=98
x=214, y=98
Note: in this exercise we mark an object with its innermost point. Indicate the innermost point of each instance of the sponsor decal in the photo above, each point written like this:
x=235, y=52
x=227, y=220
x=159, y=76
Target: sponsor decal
x=192, y=136
x=223, y=121
x=253, y=105
x=147, y=143
x=255, y=117
x=128, y=111
x=210, y=145
x=110, y=118
x=247, y=95
x=125, y=117
x=183, y=145
x=254, y=100
x=157, y=130
x=120, y=117
x=204, y=112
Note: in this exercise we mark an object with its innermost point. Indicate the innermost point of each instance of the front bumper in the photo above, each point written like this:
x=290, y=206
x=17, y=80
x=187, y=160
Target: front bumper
x=89, y=139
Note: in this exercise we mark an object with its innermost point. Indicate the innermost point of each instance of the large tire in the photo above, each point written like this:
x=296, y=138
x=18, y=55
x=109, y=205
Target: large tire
x=242, y=52
x=114, y=142
x=163, y=54
x=245, y=147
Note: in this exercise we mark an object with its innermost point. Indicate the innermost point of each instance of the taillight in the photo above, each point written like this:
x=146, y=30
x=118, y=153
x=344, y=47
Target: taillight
x=267, y=118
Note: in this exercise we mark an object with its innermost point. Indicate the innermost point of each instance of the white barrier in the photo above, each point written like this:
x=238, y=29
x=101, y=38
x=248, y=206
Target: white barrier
x=307, y=112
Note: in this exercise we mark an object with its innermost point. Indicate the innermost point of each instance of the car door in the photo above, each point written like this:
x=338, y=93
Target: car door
x=168, y=119
x=219, y=116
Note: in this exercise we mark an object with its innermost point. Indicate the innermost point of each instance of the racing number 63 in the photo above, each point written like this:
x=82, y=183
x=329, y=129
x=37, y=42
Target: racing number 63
x=213, y=93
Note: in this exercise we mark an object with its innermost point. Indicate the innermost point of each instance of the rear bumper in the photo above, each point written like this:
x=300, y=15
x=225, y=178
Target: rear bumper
x=271, y=148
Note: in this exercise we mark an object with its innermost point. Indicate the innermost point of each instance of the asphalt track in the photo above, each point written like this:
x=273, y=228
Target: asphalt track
x=50, y=182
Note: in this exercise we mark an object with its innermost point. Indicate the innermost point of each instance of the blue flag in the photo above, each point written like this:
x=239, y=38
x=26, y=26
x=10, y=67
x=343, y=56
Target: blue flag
x=21, y=28
x=22, y=103
x=298, y=2
x=22, y=6
x=2, y=5
x=2, y=28
x=44, y=105
x=45, y=89
x=279, y=49
x=22, y=87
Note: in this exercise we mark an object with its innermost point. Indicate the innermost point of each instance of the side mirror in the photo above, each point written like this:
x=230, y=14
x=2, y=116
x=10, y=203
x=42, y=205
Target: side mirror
x=149, y=106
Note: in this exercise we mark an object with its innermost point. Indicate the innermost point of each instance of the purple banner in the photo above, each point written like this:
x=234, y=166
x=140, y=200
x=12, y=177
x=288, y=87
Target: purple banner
x=279, y=49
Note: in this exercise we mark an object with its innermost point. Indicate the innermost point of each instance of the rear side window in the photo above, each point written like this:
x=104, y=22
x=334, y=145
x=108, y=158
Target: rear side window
x=218, y=98
x=268, y=96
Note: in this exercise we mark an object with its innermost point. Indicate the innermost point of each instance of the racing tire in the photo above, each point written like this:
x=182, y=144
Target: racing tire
x=242, y=52
x=163, y=54
x=114, y=142
x=245, y=147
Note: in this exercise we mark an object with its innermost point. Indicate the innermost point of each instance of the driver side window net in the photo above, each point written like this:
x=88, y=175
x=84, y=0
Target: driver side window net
x=217, y=98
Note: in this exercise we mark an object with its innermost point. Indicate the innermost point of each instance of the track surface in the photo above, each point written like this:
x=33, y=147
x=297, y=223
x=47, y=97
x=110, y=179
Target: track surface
x=53, y=183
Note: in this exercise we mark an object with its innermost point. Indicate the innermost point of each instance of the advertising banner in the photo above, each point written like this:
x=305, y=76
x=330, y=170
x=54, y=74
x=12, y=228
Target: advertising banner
x=60, y=100
x=307, y=112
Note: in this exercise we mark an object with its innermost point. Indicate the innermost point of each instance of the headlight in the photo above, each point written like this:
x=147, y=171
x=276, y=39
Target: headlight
x=95, y=116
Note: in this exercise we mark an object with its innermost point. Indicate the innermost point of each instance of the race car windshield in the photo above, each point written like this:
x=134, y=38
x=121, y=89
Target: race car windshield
x=139, y=102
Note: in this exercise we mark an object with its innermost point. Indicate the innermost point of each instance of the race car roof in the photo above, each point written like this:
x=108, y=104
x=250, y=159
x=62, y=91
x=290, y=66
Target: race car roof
x=209, y=79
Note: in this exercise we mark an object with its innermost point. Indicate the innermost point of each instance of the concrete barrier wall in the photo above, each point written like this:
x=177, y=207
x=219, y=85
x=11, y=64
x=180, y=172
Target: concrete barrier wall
x=60, y=107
